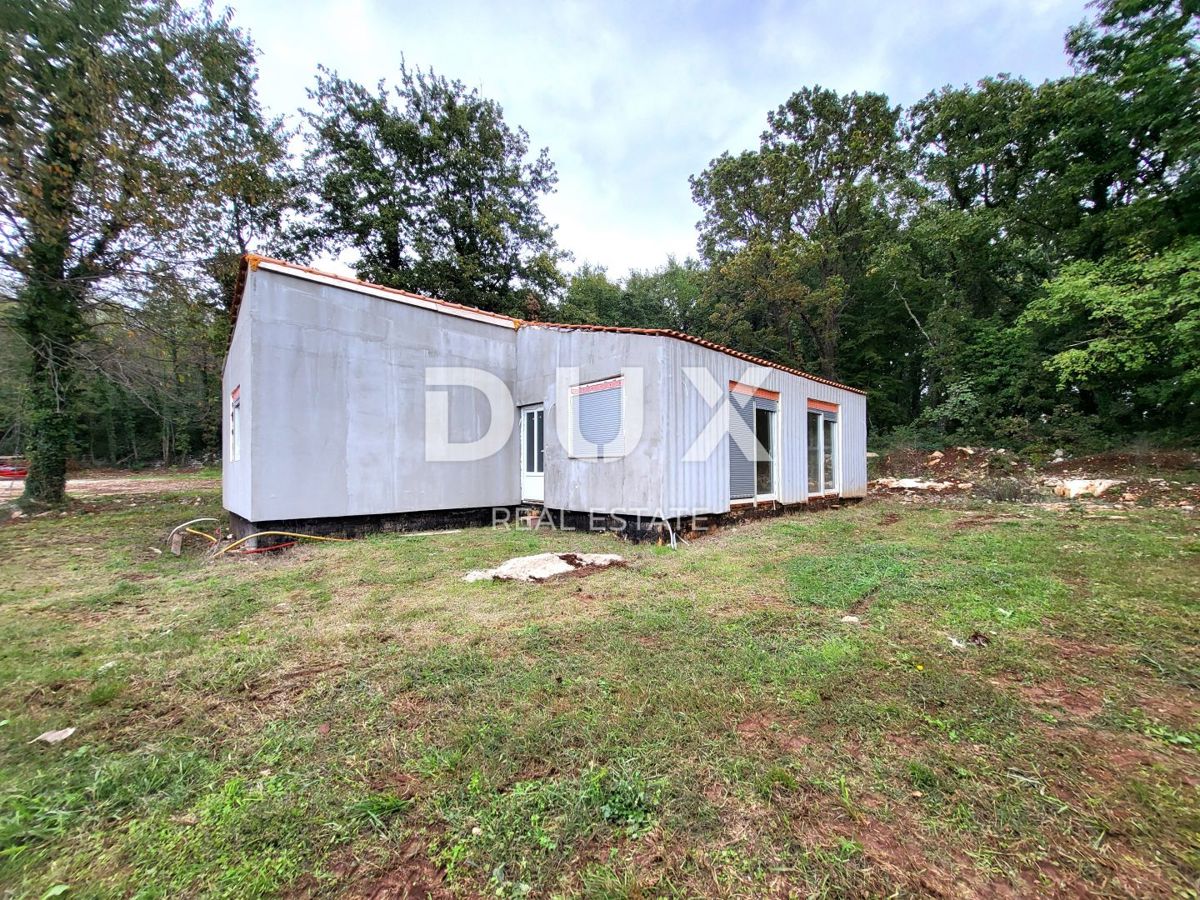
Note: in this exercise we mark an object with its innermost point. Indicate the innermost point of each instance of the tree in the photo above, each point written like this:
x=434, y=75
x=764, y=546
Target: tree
x=433, y=190
x=592, y=299
x=789, y=229
x=1139, y=61
x=1128, y=330
x=113, y=119
x=667, y=297
x=670, y=296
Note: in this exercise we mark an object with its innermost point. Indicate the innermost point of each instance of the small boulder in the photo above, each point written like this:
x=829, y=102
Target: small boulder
x=1072, y=488
x=541, y=566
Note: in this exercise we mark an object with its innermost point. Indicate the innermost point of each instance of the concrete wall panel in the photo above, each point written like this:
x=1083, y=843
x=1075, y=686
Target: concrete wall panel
x=341, y=390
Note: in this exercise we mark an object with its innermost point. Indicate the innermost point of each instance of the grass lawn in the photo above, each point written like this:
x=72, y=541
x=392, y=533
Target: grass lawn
x=353, y=719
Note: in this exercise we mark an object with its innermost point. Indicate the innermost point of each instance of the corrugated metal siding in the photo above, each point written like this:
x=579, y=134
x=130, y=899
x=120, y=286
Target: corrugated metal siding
x=704, y=485
x=741, y=435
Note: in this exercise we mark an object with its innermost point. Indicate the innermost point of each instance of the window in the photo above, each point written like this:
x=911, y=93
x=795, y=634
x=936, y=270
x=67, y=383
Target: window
x=764, y=463
x=534, y=457
x=753, y=440
x=829, y=452
x=235, y=424
x=822, y=445
x=597, y=414
x=814, y=452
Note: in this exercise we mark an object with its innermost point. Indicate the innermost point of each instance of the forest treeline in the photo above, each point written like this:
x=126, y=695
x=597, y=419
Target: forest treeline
x=1002, y=262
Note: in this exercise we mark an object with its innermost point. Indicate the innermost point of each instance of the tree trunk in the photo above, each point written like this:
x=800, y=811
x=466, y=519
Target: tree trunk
x=49, y=320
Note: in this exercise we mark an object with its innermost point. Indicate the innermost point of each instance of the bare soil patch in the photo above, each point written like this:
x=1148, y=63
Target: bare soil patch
x=123, y=485
x=1082, y=702
x=766, y=730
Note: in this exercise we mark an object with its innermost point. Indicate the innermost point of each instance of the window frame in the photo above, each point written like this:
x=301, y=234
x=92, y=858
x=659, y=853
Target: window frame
x=235, y=424
x=536, y=434
x=755, y=399
x=575, y=432
x=827, y=416
x=772, y=416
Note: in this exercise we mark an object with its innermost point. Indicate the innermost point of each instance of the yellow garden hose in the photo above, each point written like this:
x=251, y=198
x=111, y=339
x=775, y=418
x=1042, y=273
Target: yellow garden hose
x=202, y=534
x=291, y=534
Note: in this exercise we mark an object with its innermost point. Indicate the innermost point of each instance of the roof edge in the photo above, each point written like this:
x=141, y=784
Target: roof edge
x=702, y=342
x=252, y=261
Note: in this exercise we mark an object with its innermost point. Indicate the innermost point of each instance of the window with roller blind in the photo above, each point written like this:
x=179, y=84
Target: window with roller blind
x=752, y=442
x=597, y=420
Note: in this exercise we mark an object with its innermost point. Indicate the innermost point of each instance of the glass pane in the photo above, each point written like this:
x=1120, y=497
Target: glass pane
x=830, y=454
x=764, y=463
x=814, y=453
x=541, y=441
x=530, y=441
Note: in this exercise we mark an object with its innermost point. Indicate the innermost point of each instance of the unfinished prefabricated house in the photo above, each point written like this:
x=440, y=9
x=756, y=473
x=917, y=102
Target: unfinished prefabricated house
x=350, y=407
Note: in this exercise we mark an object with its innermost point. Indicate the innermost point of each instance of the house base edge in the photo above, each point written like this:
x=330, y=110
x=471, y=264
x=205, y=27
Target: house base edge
x=636, y=529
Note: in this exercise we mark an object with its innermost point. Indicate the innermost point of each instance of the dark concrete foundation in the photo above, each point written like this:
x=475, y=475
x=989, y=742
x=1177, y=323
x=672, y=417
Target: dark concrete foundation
x=636, y=529
x=358, y=526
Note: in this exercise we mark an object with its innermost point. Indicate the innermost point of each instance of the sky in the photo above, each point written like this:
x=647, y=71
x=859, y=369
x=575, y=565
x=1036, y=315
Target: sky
x=631, y=98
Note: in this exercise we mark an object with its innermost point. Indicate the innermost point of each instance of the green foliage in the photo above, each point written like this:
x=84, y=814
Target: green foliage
x=1128, y=329
x=433, y=189
x=668, y=297
x=789, y=229
x=117, y=121
x=1005, y=262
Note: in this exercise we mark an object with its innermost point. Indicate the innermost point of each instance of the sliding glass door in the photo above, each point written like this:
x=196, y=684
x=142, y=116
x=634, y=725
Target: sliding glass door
x=823, y=463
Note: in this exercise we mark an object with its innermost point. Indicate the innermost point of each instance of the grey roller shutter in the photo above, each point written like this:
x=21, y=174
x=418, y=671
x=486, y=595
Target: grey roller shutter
x=763, y=403
x=597, y=415
x=741, y=435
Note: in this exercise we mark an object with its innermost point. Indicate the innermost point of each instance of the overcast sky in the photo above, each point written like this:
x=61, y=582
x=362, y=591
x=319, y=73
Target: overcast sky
x=633, y=96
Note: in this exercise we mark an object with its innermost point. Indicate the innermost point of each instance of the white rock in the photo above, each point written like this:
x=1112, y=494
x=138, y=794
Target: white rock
x=1080, y=487
x=914, y=484
x=541, y=566
x=850, y=620
x=54, y=737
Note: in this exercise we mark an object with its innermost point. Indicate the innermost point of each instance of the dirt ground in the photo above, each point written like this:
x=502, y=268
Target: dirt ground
x=1158, y=478
x=111, y=485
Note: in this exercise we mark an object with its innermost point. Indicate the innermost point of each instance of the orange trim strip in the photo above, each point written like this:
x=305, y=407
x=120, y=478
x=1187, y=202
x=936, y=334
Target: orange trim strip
x=594, y=386
x=822, y=406
x=762, y=393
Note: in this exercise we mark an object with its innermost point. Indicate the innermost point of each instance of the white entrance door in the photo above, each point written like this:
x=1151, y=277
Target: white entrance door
x=533, y=453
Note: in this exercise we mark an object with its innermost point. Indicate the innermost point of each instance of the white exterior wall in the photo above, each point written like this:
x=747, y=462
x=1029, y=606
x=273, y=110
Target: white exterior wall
x=631, y=484
x=698, y=487
x=337, y=415
x=236, y=476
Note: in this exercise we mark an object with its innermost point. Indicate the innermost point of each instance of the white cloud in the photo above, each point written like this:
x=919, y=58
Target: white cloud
x=633, y=97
